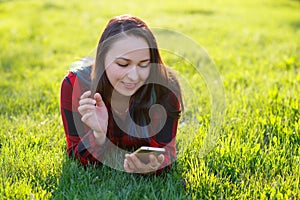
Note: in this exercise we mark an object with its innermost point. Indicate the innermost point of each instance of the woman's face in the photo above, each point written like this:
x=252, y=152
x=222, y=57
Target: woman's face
x=127, y=64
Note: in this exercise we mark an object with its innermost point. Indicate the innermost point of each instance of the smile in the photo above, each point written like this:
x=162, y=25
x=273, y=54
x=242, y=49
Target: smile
x=129, y=86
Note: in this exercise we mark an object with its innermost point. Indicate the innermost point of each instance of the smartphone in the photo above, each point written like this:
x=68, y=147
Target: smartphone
x=143, y=153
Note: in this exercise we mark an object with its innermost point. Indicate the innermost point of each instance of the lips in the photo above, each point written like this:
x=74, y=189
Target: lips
x=129, y=86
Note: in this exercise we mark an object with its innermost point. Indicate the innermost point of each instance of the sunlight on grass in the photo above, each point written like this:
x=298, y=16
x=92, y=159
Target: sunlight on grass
x=255, y=47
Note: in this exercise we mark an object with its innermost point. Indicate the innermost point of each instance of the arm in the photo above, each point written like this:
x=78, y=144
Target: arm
x=166, y=138
x=81, y=141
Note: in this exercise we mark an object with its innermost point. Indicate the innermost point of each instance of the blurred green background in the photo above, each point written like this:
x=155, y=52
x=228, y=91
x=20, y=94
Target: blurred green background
x=255, y=46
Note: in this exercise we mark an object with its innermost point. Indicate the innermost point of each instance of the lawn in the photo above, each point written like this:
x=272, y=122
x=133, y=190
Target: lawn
x=241, y=144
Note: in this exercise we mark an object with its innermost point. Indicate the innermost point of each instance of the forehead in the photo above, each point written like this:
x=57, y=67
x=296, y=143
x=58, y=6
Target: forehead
x=127, y=45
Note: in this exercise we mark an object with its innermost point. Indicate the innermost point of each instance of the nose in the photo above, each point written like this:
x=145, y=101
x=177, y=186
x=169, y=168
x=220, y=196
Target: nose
x=133, y=74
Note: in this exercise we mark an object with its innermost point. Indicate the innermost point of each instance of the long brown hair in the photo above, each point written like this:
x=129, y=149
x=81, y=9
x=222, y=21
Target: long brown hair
x=160, y=79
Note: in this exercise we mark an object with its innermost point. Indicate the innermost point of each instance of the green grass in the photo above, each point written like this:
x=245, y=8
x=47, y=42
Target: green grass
x=255, y=46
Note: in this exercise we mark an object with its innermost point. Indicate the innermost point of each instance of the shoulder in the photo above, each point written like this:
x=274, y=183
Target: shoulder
x=172, y=93
x=173, y=82
x=82, y=69
x=69, y=79
x=80, y=72
x=171, y=99
x=74, y=84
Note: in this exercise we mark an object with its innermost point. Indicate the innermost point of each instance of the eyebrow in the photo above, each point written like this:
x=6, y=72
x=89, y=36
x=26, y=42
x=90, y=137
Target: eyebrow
x=148, y=59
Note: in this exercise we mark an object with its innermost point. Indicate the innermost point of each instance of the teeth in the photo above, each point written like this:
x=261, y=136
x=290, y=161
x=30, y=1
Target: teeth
x=130, y=85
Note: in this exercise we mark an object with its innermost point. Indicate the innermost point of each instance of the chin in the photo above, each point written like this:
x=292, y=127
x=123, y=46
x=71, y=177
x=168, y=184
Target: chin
x=126, y=93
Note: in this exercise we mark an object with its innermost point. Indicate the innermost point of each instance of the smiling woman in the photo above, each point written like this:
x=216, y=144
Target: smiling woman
x=128, y=72
x=127, y=99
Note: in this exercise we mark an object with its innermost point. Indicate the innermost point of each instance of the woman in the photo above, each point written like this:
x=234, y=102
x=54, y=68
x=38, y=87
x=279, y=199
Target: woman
x=128, y=98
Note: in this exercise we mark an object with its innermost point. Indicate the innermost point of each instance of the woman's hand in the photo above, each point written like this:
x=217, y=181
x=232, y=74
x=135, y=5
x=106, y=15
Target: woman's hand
x=133, y=165
x=94, y=114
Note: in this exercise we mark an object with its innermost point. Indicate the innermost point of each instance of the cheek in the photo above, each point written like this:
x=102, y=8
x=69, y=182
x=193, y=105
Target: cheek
x=144, y=74
x=112, y=74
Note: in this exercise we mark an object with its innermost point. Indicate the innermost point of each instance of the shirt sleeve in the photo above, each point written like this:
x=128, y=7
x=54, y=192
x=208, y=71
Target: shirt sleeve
x=81, y=142
x=166, y=137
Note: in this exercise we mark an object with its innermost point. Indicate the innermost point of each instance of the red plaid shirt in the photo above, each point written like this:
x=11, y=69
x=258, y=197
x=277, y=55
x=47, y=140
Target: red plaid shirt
x=81, y=142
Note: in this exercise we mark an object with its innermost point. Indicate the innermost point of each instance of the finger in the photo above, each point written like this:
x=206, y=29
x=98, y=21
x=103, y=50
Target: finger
x=85, y=117
x=87, y=101
x=153, y=159
x=153, y=164
x=85, y=108
x=161, y=158
x=86, y=94
x=138, y=164
x=130, y=162
x=98, y=99
x=126, y=167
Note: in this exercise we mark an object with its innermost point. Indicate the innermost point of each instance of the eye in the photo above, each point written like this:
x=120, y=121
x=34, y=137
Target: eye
x=144, y=64
x=122, y=65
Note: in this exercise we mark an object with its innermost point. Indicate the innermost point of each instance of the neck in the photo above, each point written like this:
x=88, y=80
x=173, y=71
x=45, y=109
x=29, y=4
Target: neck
x=119, y=102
